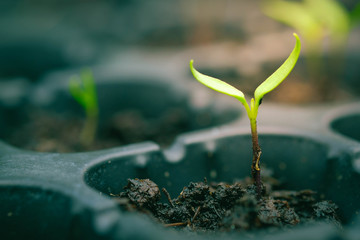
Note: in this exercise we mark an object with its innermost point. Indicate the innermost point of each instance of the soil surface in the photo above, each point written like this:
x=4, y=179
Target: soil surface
x=222, y=207
x=45, y=131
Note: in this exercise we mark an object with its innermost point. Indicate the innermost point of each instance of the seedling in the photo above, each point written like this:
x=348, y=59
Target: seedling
x=252, y=111
x=83, y=89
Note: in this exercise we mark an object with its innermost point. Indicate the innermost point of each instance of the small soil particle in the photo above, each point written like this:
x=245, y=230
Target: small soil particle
x=142, y=192
x=203, y=206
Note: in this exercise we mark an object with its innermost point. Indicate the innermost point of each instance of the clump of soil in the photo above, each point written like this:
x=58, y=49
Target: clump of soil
x=45, y=131
x=204, y=206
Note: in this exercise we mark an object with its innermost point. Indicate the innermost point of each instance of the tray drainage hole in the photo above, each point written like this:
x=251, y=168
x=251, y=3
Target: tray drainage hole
x=347, y=126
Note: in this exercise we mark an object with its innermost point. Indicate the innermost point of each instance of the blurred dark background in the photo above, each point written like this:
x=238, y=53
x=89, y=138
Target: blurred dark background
x=230, y=39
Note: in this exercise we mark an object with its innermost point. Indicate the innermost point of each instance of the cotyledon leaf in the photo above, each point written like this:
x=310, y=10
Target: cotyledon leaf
x=280, y=74
x=217, y=84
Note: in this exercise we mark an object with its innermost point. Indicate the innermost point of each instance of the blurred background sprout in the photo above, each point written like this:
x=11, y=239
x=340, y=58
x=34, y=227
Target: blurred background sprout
x=83, y=89
x=325, y=26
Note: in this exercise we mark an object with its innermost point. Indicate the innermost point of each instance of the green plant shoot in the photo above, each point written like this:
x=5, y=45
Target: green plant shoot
x=252, y=110
x=83, y=89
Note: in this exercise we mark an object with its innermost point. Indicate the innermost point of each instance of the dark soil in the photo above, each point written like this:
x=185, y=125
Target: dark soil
x=45, y=131
x=222, y=207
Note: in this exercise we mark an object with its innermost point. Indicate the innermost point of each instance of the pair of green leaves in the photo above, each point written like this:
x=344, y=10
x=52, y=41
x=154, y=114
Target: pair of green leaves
x=267, y=86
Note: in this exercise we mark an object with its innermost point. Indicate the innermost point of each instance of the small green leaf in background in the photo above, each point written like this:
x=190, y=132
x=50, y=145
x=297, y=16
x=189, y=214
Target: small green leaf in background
x=332, y=16
x=76, y=90
x=314, y=19
x=296, y=15
x=83, y=89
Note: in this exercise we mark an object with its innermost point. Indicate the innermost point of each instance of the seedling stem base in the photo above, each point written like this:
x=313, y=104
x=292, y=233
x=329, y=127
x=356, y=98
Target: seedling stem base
x=255, y=166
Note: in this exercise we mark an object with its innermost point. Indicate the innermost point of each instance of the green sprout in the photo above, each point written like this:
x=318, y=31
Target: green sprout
x=83, y=89
x=252, y=111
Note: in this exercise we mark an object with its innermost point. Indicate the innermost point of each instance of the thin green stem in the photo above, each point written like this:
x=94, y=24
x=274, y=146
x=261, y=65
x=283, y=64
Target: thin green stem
x=89, y=131
x=255, y=166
